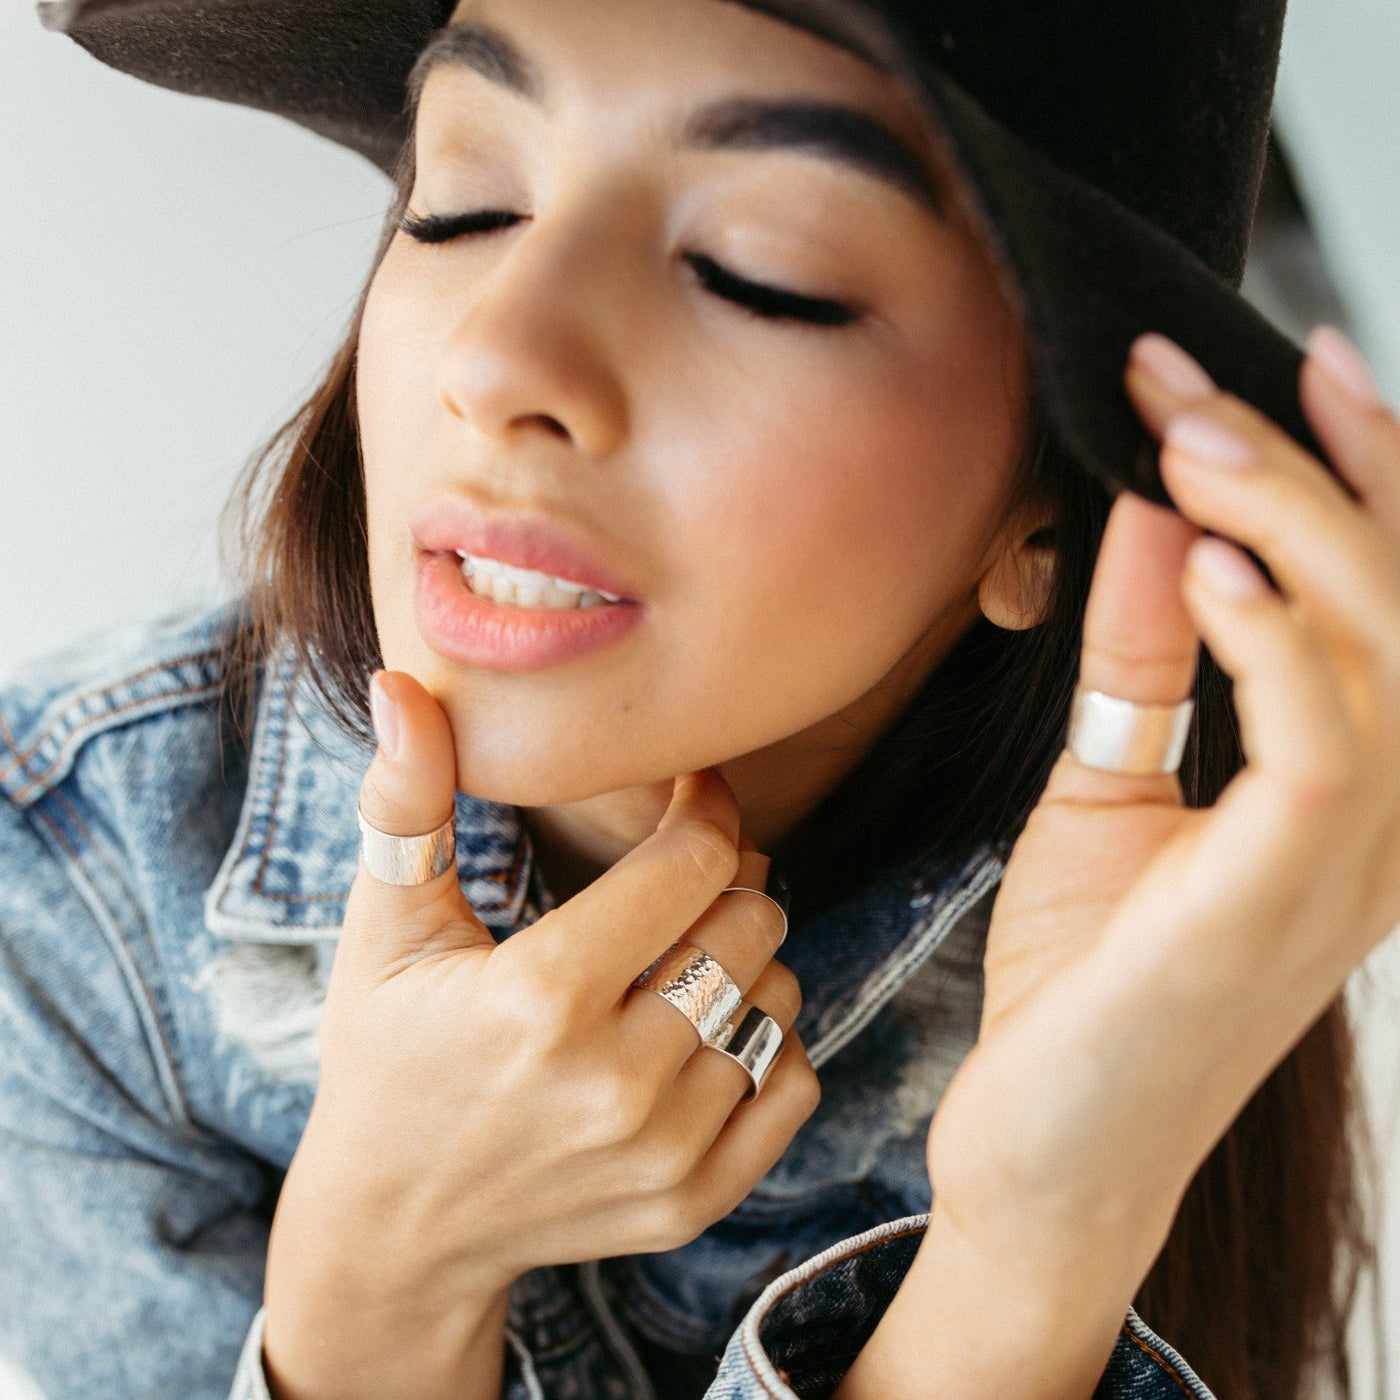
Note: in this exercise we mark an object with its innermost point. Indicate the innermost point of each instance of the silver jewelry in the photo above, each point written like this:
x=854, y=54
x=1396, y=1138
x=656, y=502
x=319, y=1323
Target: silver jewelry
x=1121, y=736
x=695, y=984
x=407, y=860
x=755, y=1040
x=748, y=889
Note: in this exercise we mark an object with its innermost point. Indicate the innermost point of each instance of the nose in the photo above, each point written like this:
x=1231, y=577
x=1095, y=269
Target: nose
x=536, y=344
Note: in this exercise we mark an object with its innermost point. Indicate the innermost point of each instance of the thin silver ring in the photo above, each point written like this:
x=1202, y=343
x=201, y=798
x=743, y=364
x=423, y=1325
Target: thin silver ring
x=752, y=1038
x=748, y=889
x=1122, y=736
x=695, y=984
x=407, y=860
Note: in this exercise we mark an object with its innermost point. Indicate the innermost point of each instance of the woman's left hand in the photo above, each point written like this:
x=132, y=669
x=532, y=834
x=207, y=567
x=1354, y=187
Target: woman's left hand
x=1148, y=964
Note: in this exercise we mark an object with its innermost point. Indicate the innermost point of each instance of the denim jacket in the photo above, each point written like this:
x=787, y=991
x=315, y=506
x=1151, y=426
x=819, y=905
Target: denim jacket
x=170, y=897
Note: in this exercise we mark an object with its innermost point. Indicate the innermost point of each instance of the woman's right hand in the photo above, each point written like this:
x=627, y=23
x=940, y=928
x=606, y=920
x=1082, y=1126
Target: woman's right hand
x=483, y=1107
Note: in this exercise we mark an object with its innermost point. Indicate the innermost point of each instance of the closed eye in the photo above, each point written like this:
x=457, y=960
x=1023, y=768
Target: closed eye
x=766, y=302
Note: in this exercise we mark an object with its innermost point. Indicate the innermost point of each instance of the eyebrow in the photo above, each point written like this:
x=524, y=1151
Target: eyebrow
x=831, y=130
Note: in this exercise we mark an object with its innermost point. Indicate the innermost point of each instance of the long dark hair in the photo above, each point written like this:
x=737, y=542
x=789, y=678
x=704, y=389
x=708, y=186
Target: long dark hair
x=1258, y=1276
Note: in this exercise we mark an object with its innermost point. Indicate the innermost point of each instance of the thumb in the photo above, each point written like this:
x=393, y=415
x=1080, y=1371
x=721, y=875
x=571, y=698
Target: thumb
x=1140, y=642
x=409, y=789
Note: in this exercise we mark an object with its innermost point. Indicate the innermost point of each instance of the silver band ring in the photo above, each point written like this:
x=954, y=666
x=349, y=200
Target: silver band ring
x=407, y=860
x=1121, y=736
x=748, y=889
x=695, y=984
x=755, y=1040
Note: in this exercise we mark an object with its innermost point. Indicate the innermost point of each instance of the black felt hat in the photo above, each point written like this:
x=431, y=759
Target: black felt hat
x=1115, y=148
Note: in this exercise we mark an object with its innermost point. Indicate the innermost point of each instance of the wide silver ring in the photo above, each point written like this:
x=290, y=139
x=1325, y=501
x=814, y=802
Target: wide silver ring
x=407, y=860
x=753, y=1038
x=1122, y=736
x=695, y=984
x=748, y=889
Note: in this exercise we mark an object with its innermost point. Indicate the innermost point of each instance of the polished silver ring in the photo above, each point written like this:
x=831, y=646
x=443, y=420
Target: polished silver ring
x=748, y=889
x=754, y=1039
x=695, y=984
x=1122, y=736
x=407, y=860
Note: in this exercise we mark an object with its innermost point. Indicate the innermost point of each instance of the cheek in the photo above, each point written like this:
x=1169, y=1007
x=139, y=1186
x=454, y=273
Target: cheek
x=394, y=387
x=848, y=518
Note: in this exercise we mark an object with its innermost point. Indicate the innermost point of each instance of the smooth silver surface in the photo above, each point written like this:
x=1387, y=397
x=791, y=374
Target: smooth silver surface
x=407, y=860
x=1120, y=736
x=695, y=984
x=755, y=1040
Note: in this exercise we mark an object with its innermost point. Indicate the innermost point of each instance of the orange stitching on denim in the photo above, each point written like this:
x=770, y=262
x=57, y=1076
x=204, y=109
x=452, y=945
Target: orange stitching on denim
x=272, y=801
x=7, y=735
x=1158, y=1357
x=20, y=759
x=855, y=1253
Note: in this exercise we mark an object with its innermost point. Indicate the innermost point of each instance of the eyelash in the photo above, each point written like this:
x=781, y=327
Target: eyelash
x=766, y=303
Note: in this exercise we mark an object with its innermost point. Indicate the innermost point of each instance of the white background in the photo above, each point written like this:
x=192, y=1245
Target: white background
x=174, y=273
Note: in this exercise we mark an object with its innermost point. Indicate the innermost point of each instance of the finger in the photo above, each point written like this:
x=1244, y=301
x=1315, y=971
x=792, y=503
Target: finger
x=1265, y=828
x=613, y=928
x=409, y=789
x=1294, y=723
x=756, y=1134
x=1360, y=433
x=741, y=933
x=1140, y=642
x=1234, y=472
x=697, y=1103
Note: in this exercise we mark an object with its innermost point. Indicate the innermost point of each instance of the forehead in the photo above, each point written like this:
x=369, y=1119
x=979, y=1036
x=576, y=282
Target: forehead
x=862, y=119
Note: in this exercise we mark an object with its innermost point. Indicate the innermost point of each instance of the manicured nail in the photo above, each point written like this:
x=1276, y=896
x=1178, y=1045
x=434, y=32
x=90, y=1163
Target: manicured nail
x=385, y=716
x=1225, y=569
x=1207, y=441
x=1170, y=366
x=1340, y=358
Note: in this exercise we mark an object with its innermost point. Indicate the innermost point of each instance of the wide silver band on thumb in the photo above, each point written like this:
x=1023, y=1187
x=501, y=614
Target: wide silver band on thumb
x=407, y=860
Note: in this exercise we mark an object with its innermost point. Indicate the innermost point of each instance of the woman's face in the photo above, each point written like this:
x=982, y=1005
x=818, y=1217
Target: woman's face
x=799, y=511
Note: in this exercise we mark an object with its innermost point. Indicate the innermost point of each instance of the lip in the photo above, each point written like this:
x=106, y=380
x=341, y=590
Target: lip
x=458, y=625
x=446, y=523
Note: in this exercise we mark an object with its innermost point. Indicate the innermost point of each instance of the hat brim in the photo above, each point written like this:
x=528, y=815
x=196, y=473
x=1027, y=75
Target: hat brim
x=1088, y=274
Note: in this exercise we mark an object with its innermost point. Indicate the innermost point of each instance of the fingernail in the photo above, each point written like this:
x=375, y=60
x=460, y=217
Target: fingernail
x=1341, y=359
x=1207, y=441
x=1170, y=366
x=384, y=715
x=1226, y=570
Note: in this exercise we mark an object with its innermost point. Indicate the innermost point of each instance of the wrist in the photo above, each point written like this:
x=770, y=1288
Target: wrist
x=358, y=1303
x=1026, y=1309
x=333, y=1347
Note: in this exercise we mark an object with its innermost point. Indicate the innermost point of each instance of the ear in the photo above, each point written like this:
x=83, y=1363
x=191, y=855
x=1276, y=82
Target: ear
x=1015, y=590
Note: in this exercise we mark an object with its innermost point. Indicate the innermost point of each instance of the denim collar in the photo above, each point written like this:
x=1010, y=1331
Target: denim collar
x=287, y=873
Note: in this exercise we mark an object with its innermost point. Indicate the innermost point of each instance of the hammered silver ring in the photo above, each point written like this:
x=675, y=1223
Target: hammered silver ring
x=695, y=984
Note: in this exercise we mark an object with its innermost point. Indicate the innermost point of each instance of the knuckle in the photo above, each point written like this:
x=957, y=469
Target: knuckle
x=661, y=1164
x=707, y=848
x=758, y=921
x=540, y=1014
x=779, y=993
x=613, y=1110
x=670, y=1220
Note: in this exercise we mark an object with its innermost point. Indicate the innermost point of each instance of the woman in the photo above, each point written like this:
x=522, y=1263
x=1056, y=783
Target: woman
x=756, y=395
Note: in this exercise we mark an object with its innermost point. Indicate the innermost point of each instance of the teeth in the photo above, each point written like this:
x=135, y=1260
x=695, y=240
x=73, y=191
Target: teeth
x=527, y=588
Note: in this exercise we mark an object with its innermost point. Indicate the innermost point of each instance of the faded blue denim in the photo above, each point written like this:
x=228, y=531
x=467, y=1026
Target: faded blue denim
x=170, y=898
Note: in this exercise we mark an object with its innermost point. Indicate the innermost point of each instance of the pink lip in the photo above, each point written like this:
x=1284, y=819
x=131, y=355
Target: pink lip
x=479, y=632
x=449, y=522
